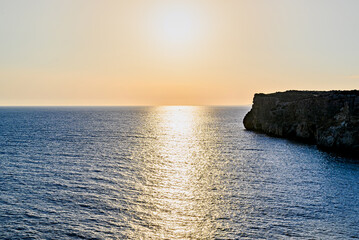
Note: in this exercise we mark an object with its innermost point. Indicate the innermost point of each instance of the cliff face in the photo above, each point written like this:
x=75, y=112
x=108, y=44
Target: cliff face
x=328, y=119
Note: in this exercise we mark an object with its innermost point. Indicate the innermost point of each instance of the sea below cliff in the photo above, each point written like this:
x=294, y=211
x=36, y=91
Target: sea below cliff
x=166, y=173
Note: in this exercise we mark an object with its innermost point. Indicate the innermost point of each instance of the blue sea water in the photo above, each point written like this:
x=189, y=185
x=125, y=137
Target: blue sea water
x=166, y=173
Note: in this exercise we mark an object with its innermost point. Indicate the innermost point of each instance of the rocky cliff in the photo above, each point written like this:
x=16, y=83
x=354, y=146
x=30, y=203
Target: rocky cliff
x=328, y=119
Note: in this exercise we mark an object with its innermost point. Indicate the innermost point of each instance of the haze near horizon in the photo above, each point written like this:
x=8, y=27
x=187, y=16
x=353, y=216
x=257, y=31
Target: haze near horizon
x=89, y=52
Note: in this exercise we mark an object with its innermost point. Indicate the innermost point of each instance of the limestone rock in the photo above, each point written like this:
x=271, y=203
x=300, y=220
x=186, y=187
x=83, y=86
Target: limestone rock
x=329, y=119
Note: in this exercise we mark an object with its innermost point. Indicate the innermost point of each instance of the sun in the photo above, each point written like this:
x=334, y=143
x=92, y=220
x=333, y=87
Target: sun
x=176, y=25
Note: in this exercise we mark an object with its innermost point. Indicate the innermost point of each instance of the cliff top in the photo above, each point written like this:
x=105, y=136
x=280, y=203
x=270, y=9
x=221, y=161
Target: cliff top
x=292, y=95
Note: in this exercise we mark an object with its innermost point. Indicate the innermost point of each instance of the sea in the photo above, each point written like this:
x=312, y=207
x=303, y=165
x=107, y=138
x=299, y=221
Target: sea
x=171, y=172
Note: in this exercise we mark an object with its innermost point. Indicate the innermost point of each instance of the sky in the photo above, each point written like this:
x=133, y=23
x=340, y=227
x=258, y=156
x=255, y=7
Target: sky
x=198, y=52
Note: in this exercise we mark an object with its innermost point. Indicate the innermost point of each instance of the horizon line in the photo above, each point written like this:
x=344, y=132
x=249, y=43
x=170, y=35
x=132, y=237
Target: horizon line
x=159, y=105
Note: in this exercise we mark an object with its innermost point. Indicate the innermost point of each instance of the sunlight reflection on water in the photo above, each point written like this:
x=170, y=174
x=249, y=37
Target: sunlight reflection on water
x=179, y=172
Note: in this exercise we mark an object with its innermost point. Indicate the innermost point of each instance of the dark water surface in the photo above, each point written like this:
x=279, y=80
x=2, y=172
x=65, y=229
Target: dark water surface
x=166, y=173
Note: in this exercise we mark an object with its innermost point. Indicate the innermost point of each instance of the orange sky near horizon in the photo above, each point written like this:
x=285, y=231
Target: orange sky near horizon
x=212, y=52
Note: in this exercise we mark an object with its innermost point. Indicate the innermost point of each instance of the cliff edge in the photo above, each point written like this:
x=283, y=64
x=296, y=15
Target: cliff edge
x=329, y=119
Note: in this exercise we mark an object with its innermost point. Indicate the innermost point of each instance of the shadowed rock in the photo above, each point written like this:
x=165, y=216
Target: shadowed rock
x=328, y=119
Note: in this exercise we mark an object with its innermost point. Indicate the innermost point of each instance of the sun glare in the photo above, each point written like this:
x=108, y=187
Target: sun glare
x=176, y=25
